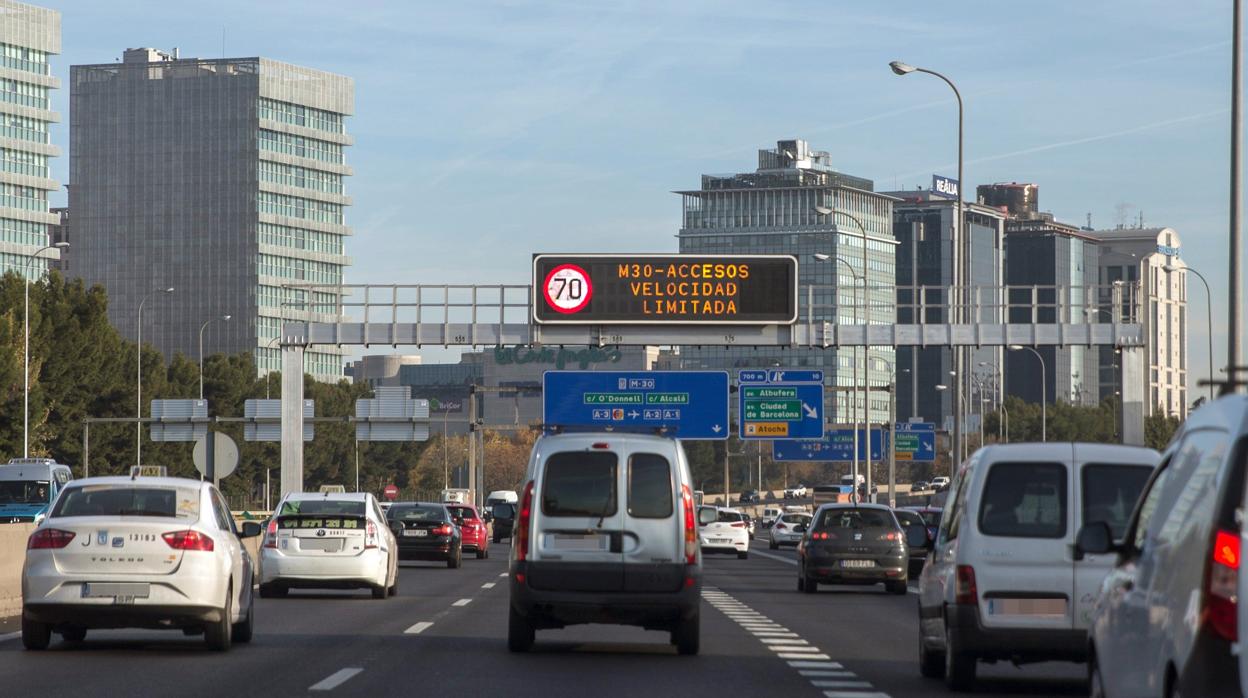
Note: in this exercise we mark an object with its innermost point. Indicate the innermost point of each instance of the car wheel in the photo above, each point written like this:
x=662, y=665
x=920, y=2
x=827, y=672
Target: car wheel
x=485, y=553
x=959, y=665
x=455, y=560
x=801, y=583
x=687, y=635
x=1096, y=684
x=896, y=587
x=393, y=589
x=244, y=629
x=380, y=591
x=496, y=539
x=809, y=586
x=773, y=545
x=74, y=634
x=480, y=553
x=743, y=554
x=217, y=635
x=35, y=635
x=272, y=590
x=931, y=663
x=520, y=632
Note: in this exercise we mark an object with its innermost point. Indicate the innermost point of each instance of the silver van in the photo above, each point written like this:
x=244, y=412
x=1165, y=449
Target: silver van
x=28, y=486
x=606, y=533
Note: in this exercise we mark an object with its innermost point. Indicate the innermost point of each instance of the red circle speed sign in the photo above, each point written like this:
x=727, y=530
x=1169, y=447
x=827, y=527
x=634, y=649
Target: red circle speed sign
x=567, y=288
x=390, y=492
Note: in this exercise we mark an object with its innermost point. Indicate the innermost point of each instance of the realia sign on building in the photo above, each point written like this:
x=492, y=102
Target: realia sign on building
x=945, y=186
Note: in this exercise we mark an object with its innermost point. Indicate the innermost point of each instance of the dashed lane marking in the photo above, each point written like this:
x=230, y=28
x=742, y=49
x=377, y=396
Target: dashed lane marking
x=810, y=661
x=488, y=585
x=335, y=679
x=418, y=628
x=504, y=574
x=462, y=602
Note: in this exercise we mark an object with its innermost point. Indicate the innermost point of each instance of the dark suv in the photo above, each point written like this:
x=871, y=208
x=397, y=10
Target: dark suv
x=504, y=521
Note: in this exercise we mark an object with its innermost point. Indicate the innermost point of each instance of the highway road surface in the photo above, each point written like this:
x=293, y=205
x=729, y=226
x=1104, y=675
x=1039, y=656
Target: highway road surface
x=445, y=634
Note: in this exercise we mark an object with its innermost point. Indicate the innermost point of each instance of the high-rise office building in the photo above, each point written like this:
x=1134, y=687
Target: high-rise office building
x=923, y=223
x=222, y=178
x=1139, y=257
x=29, y=36
x=773, y=211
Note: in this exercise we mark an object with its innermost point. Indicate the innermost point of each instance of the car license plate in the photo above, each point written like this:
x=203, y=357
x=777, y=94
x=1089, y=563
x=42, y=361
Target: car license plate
x=416, y=533
x=1027, y=607
x=858, y=564
x=573, y=541
x=122, y=593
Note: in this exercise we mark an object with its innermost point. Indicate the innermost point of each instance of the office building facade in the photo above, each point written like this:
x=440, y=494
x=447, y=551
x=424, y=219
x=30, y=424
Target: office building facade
x=29, y=37
x=923, y=223
x=221, y=178
x=773, y=210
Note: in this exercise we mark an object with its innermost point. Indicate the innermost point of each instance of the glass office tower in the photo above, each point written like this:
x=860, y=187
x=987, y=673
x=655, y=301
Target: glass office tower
x=773, y=211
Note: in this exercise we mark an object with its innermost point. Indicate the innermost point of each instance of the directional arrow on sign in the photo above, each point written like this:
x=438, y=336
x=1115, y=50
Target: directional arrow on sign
x=716, y=429
x=811, y=413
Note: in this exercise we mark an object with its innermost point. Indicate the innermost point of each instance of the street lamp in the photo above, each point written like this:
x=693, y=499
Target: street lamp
x=138, y=424
x=201, y=352
x=1044, y=427
x=1170, y=268
x=959, y=254
x=26, y=351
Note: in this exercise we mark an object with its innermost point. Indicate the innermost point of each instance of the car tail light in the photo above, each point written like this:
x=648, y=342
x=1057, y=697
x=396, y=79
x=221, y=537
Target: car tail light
x=739, y=524
x=964, y=591
x=601, y=446
x=779, y=526
x=823, y=535
x=49, y=538
x=270, y=536
x=691, y=529
x=523, y=521
x=370, y=535
x=1221, y=582
x=891, y=535
x=443, y=530
x=188, y=540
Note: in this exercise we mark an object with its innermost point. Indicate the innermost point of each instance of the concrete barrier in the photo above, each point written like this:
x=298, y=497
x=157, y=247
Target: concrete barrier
x=12, y=555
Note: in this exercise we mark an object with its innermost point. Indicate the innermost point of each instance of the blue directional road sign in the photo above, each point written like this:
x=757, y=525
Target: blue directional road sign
x=688, y=404
x=780, y=404
x=916, y=441
x=836, y=447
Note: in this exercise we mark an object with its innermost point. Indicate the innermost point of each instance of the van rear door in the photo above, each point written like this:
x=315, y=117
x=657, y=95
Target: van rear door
x=653, y=541
x=579, y=521
x=1022, y=568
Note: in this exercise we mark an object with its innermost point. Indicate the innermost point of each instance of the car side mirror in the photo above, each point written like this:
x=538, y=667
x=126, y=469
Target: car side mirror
x=251, y=529
x=707, y=516
x=916, y=536
x=1094, y=538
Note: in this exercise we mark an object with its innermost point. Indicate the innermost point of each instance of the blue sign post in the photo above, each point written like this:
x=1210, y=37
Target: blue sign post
x=836, y=447
x=687, y=404
x=780, y=404
x=916, y=441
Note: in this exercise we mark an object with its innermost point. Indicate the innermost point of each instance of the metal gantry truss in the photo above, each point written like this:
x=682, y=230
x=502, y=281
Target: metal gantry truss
x=920, y=316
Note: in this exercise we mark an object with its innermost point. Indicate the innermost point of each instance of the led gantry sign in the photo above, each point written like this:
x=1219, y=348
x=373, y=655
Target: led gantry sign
x=665, y=289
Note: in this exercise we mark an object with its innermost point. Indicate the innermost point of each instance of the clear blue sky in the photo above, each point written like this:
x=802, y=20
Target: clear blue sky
x=486, y=131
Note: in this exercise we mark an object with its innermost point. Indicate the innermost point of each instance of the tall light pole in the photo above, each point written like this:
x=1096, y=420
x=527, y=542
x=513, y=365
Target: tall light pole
x=1233, y=356
x=26, y=350
x=1044, y=426
x=960, y=251
x=138, y=411
x=201, y=351
x=866, y=383
x=1169, y=269
x=867, y=415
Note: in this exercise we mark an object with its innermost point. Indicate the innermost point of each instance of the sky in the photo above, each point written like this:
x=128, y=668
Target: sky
x=486, y=131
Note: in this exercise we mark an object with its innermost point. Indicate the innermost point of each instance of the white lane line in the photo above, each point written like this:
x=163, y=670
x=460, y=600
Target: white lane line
x=841, y=684
x=771, y=633
x=504, y=574
x=798, y=655
x=855, y=694
x=335, y=679
x=488, y=585
x=786, y=560
x=462, y=602
x=418, y=628
x=798, y=649
x=816, y=665
x=10, y=636
x=827, y=674
x=774, y=641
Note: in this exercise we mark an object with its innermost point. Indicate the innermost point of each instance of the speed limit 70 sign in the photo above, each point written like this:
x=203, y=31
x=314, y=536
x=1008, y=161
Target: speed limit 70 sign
x=567, y=288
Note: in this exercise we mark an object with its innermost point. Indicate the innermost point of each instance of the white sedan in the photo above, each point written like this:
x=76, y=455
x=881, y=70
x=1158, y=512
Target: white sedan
x=724, y=531
x=787, y=530
x=141, y=552
x=795, y=492
x=329, y=540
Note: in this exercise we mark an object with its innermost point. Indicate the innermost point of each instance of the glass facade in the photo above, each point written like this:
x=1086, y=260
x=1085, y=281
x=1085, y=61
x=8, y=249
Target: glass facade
x=773, y=211
x=31, y=36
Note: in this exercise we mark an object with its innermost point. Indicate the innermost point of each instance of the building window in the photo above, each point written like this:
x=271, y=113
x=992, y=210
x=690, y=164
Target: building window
x=297, y=207
x=299, y=115
x=301, y=147
x=300, y=177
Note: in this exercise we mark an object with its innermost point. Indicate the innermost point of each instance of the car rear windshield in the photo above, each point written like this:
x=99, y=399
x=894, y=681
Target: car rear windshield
x=795, y=518
x=856, y=518
x=418, y=514
x=125, y=500
x=24, y=491
x=1110, y=493
x=1024, y=500
x=649, y=486
x=729, y=516
x=462, y=512
x=580, y=483
x=909, y=518
x=503, y=511
x=333, y=507
x=931, y=518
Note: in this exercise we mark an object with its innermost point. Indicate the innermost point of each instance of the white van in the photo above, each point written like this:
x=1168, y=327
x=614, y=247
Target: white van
x=28, y=486
x=1003, y=581
x=606, y=533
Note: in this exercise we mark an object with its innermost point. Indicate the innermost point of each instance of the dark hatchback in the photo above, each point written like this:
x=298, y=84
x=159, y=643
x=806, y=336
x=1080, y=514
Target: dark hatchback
x=908, y=518
x=504, y=521
x=426, y=531
x=853, y=544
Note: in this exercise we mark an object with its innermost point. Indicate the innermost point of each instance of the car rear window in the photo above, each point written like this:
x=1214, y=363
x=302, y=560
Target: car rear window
x=503, y=511
x=463, y=512
x=417, y=513
x=649, y=486
x=123, y=500
x=729, y=516
x=856, y=518
x=1110, y=492
x=579, y=483
x=336, y=507
x=1024, y=500
x=795, y=518
x=909, y=518
x=931, y=518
